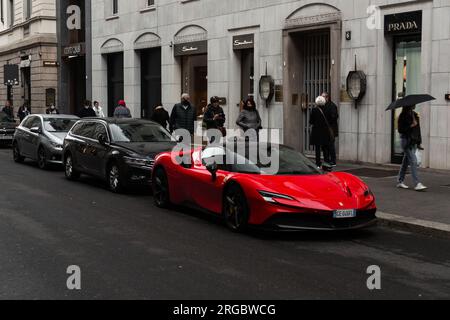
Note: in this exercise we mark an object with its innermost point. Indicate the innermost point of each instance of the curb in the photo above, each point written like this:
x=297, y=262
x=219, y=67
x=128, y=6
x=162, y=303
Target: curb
x=430, y=228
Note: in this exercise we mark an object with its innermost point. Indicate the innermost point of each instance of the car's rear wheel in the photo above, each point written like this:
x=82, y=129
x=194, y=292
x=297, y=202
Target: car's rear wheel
x=42, y=159
x=236, y=212
x=69, y=169
x=16, y=154
x=114, y=178
x=161, y=194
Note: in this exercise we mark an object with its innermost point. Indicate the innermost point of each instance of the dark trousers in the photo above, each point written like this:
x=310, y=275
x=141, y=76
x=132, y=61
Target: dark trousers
x=332, y=153
x=326, y=154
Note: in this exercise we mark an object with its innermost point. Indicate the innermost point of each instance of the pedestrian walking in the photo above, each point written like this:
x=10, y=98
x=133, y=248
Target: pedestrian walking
x=161, y=116
x=332, y=113
x=8, y=109
x=98, y=110
x=122, y=110
x=52, y=109
x=411, y=140
x=214, y=117
x=87, y=111
x=321, y=134
x=183, y=115
x=24, y=111
x=249, y=118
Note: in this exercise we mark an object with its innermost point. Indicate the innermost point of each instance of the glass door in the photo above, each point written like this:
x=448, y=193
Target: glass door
x=407, y=80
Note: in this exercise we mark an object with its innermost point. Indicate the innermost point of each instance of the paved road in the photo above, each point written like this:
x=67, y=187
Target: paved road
x=128, y=249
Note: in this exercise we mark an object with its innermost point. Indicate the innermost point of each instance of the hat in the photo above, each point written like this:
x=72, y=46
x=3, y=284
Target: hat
x=321, y=101
x=122, y=103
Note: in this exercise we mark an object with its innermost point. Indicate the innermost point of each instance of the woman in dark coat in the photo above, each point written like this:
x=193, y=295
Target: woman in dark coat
x=161, y=116
x=411, y=140
x=321, y=136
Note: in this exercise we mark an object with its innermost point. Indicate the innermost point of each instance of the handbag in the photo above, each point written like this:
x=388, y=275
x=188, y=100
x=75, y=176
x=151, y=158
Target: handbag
x=419, y=156
x=330, y=130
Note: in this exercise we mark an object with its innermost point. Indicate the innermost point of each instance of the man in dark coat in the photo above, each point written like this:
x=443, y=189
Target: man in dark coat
x=321, y=136
x=214, y=118
x=161, y=116
x=23, y=111
x=87, y=111
x=332, y=114
x=8, y=109
x=184, y=115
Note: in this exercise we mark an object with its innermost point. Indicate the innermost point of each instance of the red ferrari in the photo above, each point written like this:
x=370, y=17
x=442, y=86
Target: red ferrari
x=297, y=196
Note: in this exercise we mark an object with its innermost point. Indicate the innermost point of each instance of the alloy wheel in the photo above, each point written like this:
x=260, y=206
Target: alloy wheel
x=42, y=158
x=16, y=154
x=114, y=178
x=236, y=211
x=161, y=189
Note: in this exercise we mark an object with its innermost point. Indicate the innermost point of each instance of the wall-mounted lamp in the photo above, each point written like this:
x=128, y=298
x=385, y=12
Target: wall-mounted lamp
x=348, y=35
x=171, y=44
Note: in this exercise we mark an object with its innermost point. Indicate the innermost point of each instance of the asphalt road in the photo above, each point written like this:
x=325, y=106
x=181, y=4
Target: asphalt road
x=128, y=249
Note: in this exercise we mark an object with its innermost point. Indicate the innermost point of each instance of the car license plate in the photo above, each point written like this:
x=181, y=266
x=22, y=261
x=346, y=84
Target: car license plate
x=5, y=137
x=344, y=214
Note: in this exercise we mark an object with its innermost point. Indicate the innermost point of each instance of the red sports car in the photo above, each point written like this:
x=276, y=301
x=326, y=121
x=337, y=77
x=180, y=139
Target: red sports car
x=297, y=196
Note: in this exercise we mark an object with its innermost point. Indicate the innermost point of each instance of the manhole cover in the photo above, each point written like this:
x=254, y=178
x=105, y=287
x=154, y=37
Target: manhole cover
x=373, y=173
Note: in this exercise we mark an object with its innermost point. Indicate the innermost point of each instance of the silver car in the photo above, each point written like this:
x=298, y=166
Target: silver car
x=41, y=137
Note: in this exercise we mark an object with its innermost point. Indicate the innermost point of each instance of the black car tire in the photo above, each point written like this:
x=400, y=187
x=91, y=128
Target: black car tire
x=114, y=178
x=236, y=212
x=42, y=159
x=160, y=185
x=16, y=154
x=69, y=169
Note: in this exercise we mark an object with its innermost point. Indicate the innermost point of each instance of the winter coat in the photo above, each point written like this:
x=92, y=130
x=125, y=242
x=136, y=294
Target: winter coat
x=249, y=119
x=9, y=111
x=121, y=112
x=23, y=113
x=87, y=113
x=161, y=116
x=332, y=114
x=211, y=112
x=99, y=112
x=320, y=134
x=183, y=117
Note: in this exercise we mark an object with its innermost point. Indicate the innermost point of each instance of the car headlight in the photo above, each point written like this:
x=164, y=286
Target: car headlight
x=56, y=145
x=271, y=197
x=139, y=162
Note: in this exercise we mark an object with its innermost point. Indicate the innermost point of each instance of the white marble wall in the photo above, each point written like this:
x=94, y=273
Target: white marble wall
x=365, y=133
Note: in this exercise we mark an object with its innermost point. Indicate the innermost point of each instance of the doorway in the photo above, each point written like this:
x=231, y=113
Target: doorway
x=195, y=80
x=115, y=81
x=407, y=80
x=77, y=83
x=247, y=73
x=150, y=81
x=26, y=84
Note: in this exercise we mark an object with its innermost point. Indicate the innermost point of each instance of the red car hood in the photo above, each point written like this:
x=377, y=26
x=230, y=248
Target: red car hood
x=319, y=192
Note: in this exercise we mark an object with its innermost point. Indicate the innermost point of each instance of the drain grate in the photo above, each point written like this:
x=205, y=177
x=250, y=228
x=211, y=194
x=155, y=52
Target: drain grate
x=373, y=173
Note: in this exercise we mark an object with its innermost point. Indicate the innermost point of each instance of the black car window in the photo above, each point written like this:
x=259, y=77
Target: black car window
x=85, y=129
x=58, y=124
x=35, y=123
x=100, y=130
x=139, y=132
x=27, y=123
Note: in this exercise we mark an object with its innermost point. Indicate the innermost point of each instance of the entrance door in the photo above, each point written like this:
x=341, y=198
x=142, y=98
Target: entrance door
x=77, y=84
x=150, y=81
x=316, y=76
x=115, y=81
x=26, y=82
x=195, y=79
x=407, y=80
x=247, y=73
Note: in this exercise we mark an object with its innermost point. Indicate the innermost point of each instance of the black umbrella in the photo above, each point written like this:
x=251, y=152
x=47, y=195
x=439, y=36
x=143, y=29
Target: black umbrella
x=410, y=101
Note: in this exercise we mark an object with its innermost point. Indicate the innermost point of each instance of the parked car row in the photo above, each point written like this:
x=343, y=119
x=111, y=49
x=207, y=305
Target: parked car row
x=7, y=129
x=221, y=180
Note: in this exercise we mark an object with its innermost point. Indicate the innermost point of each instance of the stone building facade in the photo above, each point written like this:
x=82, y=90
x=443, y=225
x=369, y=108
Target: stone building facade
x=152, y=51
x=28, y=40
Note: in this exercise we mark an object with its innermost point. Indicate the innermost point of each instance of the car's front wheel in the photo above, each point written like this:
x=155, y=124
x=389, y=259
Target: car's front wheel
x=160, y=184
x=69, y=169
x=16, y=154
x=236, y=212
x=42, y=159
x=114, y=178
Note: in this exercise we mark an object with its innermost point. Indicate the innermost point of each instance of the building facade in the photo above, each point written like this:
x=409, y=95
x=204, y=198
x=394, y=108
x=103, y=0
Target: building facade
x=148, y=52
x=28, y=44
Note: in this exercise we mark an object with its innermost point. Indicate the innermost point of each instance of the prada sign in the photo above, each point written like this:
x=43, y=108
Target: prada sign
x=403, y=23
x=77, y=49
x=186, y=49
x=246, y=41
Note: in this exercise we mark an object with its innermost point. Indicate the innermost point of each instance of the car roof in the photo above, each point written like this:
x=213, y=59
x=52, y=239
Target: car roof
x=121, y=120
x=56, y=116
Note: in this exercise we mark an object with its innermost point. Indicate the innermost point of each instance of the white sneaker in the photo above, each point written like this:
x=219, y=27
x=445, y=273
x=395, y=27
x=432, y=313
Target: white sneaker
x=402, y=186
x=420, y=187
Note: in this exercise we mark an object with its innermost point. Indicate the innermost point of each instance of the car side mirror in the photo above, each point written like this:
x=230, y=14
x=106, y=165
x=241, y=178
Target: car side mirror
x=213, y=168
x=36, y=130
x=102, y=139
x=327, y=167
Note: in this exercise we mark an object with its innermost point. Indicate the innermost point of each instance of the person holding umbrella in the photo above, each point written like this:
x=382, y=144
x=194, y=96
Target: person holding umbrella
x=411, y=137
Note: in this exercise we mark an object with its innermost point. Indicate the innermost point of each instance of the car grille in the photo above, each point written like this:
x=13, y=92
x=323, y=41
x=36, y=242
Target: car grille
x=7, y=131
x=320, y=221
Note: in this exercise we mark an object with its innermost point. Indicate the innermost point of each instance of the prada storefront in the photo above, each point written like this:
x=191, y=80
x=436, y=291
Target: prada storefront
x=193, y=57
x=405, y=29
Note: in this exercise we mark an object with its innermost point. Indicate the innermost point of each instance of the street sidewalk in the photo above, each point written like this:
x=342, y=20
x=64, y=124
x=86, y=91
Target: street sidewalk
x=427, y=212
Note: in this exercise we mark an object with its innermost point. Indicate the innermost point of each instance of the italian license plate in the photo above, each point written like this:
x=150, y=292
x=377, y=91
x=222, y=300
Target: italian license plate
x=344, y=214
